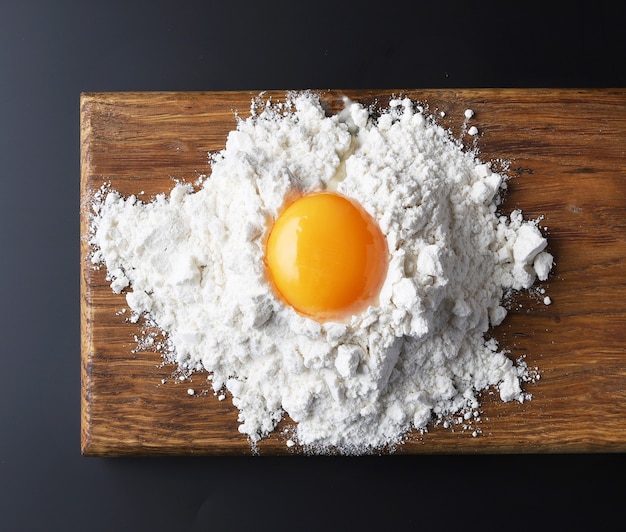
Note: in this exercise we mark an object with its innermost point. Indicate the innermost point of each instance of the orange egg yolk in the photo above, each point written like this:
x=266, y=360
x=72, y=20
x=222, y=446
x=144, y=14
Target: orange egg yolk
x=326, y=257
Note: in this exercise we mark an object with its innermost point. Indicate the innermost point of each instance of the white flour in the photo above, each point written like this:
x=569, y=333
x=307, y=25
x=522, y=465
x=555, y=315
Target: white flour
x=193, y=263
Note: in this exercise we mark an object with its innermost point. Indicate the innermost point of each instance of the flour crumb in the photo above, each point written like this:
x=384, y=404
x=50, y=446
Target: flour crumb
x=543, y=265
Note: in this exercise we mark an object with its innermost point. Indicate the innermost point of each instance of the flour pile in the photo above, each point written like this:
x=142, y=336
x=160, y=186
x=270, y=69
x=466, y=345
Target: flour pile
x=192, y=262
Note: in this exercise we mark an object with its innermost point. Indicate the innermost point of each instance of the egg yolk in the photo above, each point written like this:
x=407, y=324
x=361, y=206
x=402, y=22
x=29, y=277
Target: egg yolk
x=326, y=257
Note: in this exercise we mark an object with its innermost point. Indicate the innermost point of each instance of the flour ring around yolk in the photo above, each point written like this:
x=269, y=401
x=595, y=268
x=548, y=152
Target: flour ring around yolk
x=326, y=257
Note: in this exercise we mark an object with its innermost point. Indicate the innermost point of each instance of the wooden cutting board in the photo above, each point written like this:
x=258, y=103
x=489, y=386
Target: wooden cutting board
x=567, y=153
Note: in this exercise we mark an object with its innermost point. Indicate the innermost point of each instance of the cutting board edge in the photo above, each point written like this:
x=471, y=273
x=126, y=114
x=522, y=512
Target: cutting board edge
x=86, y=344
x=97, y=448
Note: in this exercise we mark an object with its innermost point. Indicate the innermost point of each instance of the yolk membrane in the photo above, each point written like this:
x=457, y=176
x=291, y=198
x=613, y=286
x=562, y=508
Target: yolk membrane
x=326, y=257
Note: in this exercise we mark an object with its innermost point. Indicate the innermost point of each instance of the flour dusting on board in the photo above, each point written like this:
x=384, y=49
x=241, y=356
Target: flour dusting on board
x=192, y=262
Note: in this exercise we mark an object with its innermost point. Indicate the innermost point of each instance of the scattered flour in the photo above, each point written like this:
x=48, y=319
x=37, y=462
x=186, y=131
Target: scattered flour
x=192, y=263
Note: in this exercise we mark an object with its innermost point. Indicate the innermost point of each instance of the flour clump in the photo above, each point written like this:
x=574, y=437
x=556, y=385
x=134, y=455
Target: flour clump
x=193, y=262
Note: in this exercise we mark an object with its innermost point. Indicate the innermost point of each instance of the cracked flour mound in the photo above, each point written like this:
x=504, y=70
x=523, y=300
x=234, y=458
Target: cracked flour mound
x=192, y=262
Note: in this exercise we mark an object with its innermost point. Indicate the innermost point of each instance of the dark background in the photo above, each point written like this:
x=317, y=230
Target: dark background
x=49, y=53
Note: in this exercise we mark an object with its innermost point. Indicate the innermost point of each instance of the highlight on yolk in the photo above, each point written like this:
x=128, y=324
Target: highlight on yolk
x=326, y=256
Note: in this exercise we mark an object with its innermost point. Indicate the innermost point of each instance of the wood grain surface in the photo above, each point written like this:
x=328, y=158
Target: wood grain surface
x=567, y=154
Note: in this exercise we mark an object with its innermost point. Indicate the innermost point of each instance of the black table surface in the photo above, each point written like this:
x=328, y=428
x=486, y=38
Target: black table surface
x=50, y=52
